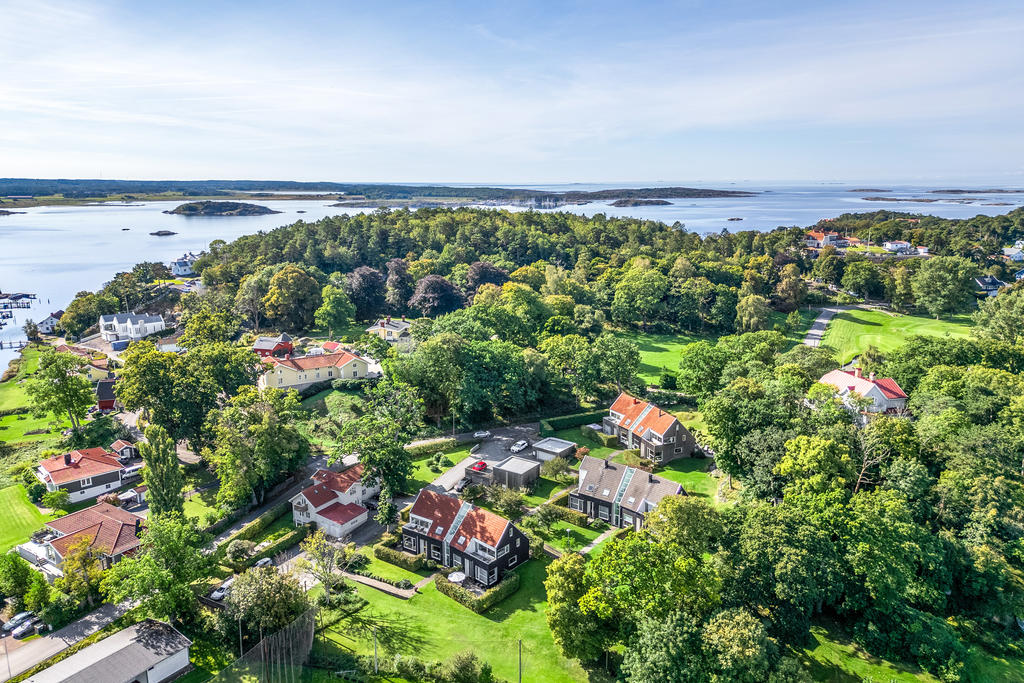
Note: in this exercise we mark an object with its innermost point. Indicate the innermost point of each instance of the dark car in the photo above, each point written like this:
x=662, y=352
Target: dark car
x=463, y=483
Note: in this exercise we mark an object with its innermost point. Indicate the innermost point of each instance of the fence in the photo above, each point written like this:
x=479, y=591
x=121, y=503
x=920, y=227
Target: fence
x=277, y=658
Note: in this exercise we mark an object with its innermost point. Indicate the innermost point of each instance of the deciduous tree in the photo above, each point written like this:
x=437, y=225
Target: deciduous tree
x=162, y=473
x=59, y=388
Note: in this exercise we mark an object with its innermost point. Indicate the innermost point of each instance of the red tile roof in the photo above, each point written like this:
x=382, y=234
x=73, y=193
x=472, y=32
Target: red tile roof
x=329, y=484
x=636, y=420
x=87, y=462
x=438, y=508
x=119, y=444
x=862, y=385
x=342, y=513
x=331, y=346
x=442, y=510
x=889, y=387
x=109, y=529
x=329, y=360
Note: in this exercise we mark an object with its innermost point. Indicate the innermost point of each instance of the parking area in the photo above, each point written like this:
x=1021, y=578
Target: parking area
x=492, y=451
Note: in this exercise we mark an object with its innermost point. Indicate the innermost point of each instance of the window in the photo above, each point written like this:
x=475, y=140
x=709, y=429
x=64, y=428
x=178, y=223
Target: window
x=494, y=575
x=456, y=560
x=605, y=492
x=603, y=513
x=108, y=486
x=355, y=373
x=85, y=482
x=679, y=449
x=517, y=542
x=503, y=552
x=435, y=552
x=280, y=381
x=575, y=504
x=512, y=560
x=330, y=373
x=627, y=519
x=410, y=543
x=481, y=574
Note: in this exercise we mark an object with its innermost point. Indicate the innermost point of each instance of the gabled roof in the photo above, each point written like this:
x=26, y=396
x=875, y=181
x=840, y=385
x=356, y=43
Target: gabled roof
x=329, y=360
x=119, y=444
x=341, y=513
x=483, y=525
x=131, y=318
x=88, y=462
x=438, y=508
x=599, y=478
x=989, y=282
x=77, y=350
x=820, y=235
x=330, y=346
x=443, y=511
x=639, y=416
x=602, y=479
x=329, y=484
x=844, y=379
x=270, y=343
x=108, y=528
x=390, y=324
x=105, y=390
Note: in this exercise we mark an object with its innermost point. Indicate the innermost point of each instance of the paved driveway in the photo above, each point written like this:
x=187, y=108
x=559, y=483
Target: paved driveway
x=492, y=451
x=820, y=324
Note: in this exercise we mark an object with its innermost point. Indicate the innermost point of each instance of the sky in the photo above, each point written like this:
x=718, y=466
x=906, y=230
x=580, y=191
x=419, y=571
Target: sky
x=531, y=92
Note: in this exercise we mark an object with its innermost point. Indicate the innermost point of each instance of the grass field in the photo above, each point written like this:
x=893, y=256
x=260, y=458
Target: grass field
x=576, y=436
x=850, y=332
x=692, y=474
x=423, y=475
x=560, y=533
x=434, y=626
x=12, y=392
x=15, y=428
x=542, y=490
x=20, y=517
x=387, y=570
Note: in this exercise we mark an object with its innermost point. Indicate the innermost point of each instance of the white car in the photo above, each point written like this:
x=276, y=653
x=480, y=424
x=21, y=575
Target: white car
x=483, y=434
x=224, y=589
x=16, y=620
x=519, y=446
x=263, y=562
x=26, y=628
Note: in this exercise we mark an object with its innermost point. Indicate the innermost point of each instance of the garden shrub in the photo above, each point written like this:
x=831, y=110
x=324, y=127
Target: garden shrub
x=506, y=587
x=239, y=550
x=566, y=515
x=413, y=563
x=431, y=447
x=668, y=379
x=351, y=383
x=285, y=542
x=554, y=424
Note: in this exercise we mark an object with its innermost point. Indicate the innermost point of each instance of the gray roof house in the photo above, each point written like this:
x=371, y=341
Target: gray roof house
x=553, y=447
x=988, y=285
x=129, y=326
x=148, y=652
x=391, y=329
x=618, y=494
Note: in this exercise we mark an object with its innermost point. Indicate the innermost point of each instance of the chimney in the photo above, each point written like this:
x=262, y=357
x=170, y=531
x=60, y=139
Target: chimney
x=389, y=318
x=403, y=318
x=606, y=465
x=635, y=400
x=138, y=526
x=871, y=377
x=382, y=323
x=67, y=459
x=857, y=372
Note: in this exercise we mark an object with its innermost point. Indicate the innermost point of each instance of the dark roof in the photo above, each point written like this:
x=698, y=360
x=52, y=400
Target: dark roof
x=989, y=282
x=271, y=342
x=121, y=657
x=105, y=390
x=601, y=479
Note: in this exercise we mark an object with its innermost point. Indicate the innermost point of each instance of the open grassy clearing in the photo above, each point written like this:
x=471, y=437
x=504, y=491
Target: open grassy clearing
x=564, y=536
x=201, y=504
x=436, y=627
x=692, y=474
x=850, y=332
x=543, y=489
x=12, y=392
x=20, y=517
x=15, y=428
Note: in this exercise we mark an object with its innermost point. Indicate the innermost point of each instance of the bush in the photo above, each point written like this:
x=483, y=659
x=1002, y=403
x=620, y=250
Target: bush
x=506, y=502
x=239, y=550
x=554, y=424
x=606, y=440
x=285, y=542
x=352, y=383
x=558, y=469
x=670, y=398
x=632, y=459
x=431, y=447
x=566, y=515
x=404, y=584
x=668, y=379
x=413, y=563
x=256, y=526
x=35, y=492
x=506, y=587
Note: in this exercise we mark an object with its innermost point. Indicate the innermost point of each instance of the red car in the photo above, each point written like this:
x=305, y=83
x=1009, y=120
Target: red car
x=478, y=466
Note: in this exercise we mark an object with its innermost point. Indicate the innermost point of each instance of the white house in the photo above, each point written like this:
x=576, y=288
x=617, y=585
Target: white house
x=896, y=246
x=988, y=285
x=1013, y=253
x=822, y=238
x=48, y=325
x=335, y=501
x=391, y=330
x=885, y=394
x=182, y=267
x=129, y=326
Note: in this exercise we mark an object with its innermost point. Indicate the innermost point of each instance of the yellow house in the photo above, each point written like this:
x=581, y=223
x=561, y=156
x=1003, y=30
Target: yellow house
x=391, y=330
x=96, y=370
x=299, y=373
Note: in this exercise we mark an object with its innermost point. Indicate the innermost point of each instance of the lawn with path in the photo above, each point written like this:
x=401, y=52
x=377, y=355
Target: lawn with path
x=20, y=517
x=543, y=489
x=850, y=332
x=439, y=627
x=422, y=475
x=386, y=570
x=562, y=536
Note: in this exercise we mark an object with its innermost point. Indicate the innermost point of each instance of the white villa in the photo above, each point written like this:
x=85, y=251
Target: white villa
x=129, y=326
x=885, y=394
x=335, y=502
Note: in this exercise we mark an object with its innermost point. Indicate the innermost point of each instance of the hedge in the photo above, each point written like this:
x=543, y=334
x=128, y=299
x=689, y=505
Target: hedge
x=256, y=526
x=404, y=584
x=352, y=383
x=554, y=424
x=562, y=500
x=21, y=410
x=431, y=447
x=569, y=515
x=672, y=398
x=287, y=541
x=315, y=388
x=506, y=587
x=606, y=440
x=413, y=563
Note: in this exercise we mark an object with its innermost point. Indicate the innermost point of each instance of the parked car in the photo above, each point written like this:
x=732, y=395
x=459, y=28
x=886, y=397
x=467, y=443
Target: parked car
x=222, y=592
x=264, y=562
x=463, y=483
x=478, y=466
x=16, y=620
x=27, y=628
x=519, y=446
x=482, y=434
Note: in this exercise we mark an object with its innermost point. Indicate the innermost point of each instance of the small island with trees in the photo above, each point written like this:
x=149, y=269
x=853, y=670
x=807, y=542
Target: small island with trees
x=209, y=208
x=640, y=202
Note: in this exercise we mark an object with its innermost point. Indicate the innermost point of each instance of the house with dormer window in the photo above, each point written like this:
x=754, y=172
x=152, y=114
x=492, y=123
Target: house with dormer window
x=455, y=533
x=336, y=502
x=658, y=435
x=617, y=494
x=299, y=373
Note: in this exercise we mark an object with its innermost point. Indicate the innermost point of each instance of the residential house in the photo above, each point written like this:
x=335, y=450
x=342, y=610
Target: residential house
x=335, y=502
x=105, y=398
x=391, y=330
x=50, y=323
x=640, y=424
x=148, y=652
x=129, y=326
x=885, y=394
x=1019, y=275
x=77, y=350
x=988, y=285
x=109, y=530
x=923, y=251
x=618, y=494
x=332, y=347
x=97, y=369
x=822, y=238
x=299, y=373
x=456, y=533
x=84, y=473
x=124, y=450
x=183, y=267
x=273, y=346
x=897, y=246
x=1015, y=254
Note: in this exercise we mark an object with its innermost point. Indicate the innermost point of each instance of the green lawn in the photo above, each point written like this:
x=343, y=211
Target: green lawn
x=542, y=490
x=20, y=516
x=576, y=436
x=658, y=351
x=850, y=332
x=434, y=626
x=15, y=428
x=832, y=657
x=389, y=571
x=558, y=538
x=692, y=474
x=12, y=392
x=691, y=419
x=423, y=475
x=199, y=505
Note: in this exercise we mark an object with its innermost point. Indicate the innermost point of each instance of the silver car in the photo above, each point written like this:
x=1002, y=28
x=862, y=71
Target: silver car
x=28, y=627
x=224, y=589
x=263, y=562
x=16, y=620
x=483, y=434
